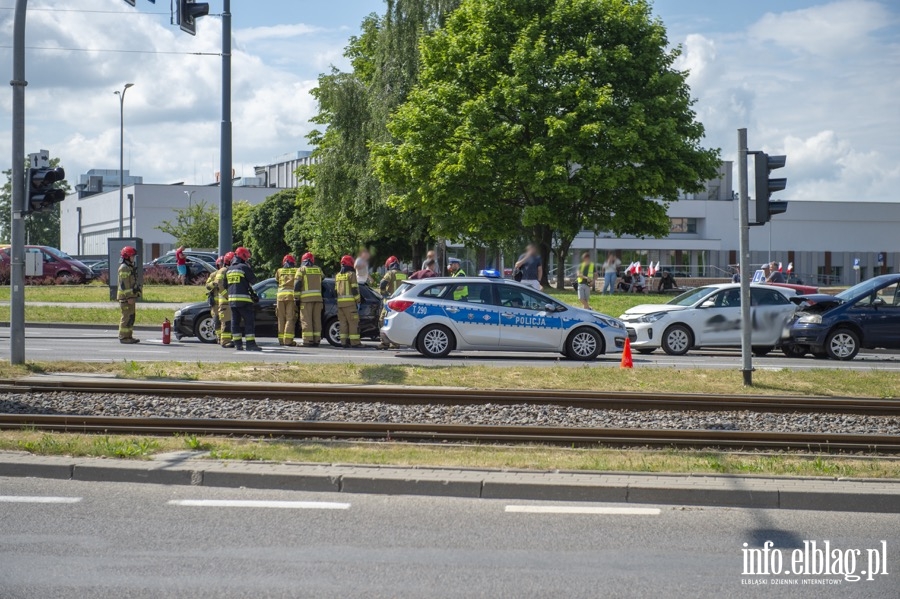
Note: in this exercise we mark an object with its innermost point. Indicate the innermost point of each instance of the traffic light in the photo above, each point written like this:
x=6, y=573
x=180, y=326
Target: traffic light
x=188, y=12
x=41, y=191
x=765, y=187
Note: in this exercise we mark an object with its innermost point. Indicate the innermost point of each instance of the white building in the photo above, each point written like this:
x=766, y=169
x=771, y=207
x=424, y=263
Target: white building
x=282, y=172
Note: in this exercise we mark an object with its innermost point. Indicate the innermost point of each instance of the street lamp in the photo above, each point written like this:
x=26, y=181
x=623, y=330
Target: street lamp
x=121, y=95
x=190, y=195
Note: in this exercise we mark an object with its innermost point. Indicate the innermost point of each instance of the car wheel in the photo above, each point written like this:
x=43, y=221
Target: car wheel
x=584, y=344
x=332, y=332
x=645, y=351
x=842, y=344
x=794, y=351
x=677, y=340
x=762, y=352
x=204, y=329
x=435, y=341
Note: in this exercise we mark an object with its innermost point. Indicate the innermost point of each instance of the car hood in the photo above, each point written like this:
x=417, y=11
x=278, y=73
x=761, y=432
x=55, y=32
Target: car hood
x=651, y=309
x=821, y=301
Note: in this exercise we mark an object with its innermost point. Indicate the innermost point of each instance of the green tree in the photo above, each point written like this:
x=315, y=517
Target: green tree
x=241, y=212
x=196, y=226
x=41, y=228
x=552, y=115
x=266, y=230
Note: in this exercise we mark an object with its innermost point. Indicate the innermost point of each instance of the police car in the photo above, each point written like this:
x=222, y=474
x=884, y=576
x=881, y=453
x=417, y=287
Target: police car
x=438, y=315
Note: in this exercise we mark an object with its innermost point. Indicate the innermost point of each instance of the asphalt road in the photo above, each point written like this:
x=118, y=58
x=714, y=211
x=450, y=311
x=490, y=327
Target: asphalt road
x=67, y=539
x=97, y=345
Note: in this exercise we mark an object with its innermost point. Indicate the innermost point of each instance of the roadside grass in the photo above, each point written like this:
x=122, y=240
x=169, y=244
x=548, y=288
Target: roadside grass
x=102, y=316
x=825, y=383
x=613, y=305
x=96, y=292
x=527, y=457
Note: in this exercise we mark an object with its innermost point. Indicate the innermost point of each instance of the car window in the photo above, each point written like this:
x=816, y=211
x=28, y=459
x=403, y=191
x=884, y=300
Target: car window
x=471, y=293
x=767, y=297
x=268, y=292
x=728, y=298
x=514, y=297
x=887, y=296
x=689, y=298
x=434, y=291
x=401, y=289
x=166, y=260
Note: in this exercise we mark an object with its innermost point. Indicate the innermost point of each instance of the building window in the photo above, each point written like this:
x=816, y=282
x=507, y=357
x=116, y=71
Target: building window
x=683, y=225
x=833, y=277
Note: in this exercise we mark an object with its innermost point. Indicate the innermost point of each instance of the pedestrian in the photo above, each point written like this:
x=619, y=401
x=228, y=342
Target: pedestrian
x=309, y=291
x=427, y=270
x=454, y=267
x=774, y=275
x=667, y=282
x=736, y=277
x=429, y=256
x=129, y=291
x=530, y=267
x=181, y=265
x=585, y=281
x=286, y=301
x=242, y=297
x=346, y=289
x=610, y=274
x=389, y=284
x=224, y=307
x=639, y=285
x=361, y=266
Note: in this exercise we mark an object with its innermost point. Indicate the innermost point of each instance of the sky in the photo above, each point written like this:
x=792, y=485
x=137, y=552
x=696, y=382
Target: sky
x=816, y=80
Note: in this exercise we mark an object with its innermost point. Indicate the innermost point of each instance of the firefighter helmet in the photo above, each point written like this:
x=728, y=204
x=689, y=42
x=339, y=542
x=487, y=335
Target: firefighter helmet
x=220, y=261
x=228, y=258
x=242, y=253
x=391, y=261
x=128, y=252
x=347, y=261
x=289, y=259
x=308, y=258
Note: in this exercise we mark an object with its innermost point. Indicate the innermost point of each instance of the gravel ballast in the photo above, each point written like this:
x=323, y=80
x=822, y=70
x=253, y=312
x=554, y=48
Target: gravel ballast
x=97, y=404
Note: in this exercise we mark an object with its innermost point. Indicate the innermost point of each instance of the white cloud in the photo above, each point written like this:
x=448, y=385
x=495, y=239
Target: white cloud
x=255, y=34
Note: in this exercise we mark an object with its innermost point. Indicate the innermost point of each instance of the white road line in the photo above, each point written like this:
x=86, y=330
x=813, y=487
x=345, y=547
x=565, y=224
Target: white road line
x=571, y=509
x=295, y=505
x=27, y=499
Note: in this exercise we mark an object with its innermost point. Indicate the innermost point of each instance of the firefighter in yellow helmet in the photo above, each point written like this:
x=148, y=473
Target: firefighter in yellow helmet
x=286, y=303
x=347, y=291
x=308, y=291
x=389, y=284
x=129, y=291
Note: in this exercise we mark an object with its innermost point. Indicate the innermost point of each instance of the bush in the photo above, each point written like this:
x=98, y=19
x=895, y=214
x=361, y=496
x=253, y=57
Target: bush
x=160, y=275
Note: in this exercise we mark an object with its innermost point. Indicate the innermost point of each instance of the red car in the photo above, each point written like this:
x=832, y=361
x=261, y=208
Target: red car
x=57, y=264
x=800, y=289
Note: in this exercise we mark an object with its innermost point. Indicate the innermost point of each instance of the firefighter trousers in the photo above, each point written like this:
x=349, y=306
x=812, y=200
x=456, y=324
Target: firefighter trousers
x=311, y=322
x=243, y=322
x=224, y=331
x=286, y=311
x=348, y=319
x=126, y=324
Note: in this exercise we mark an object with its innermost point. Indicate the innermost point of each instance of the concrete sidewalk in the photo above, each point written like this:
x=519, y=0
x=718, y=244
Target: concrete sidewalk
x=187, y=468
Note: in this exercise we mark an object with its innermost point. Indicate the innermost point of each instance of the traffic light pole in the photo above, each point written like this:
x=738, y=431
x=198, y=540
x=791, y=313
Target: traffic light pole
x=225, y=165
x=17, y=205
x=744, y=223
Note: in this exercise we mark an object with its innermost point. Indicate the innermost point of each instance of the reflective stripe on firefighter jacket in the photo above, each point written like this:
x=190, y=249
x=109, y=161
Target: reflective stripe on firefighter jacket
x=346, y=288
x=286, y=278
x=127, y=283
x=309, y=284
x=240, y=279
x=222, y=285
x=390, y=282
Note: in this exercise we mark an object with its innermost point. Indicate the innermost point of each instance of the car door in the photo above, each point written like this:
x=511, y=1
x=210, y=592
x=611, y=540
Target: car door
x=369, y=310
x=879, y=317
x=472, y=311
x=770, y=311
x=525, y=322
x=719, y=319
x=266, y=319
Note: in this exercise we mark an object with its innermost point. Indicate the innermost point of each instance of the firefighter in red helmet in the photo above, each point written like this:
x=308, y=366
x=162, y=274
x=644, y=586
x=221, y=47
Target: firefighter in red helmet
x=223, y=308
x=242, y=298
x=346, y=289
x=308, y=291
x=286, y=303
x=389, y=284
x=129, y=291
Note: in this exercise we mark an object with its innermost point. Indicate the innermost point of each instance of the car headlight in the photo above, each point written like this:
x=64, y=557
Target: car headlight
x=810, y=319
x=177, y=313
x=611, y=322
x=650, y=318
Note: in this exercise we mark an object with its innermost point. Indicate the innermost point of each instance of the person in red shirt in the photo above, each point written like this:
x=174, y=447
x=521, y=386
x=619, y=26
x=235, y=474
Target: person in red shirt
x=181, y=264
x=427, y=271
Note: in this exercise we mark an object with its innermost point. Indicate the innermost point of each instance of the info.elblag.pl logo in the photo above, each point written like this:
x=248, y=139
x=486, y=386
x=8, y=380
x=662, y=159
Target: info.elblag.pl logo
x=813, y=564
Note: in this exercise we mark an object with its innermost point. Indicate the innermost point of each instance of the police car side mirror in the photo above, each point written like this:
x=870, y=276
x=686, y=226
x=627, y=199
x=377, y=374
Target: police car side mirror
x=549, y=307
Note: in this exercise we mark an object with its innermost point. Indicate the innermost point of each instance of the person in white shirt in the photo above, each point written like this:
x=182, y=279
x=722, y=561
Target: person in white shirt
x=361, y=266
x=610, y=272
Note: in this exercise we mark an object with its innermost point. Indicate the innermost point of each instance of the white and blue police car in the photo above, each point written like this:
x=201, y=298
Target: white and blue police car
x=488, y=313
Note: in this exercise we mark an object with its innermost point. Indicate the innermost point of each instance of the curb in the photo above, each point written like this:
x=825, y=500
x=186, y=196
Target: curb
x=822, y=494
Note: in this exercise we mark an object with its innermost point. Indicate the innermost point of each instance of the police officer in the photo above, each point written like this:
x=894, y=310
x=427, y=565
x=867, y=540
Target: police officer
x=223, y=308
x=454, y=266
x=127, y=295
x=286, y=303
x=241, y=296
x=389, y=284
x=347, y=290
x=308, y=290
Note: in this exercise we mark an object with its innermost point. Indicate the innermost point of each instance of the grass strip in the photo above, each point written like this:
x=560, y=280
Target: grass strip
x=95, y=292
x=531, y=457
x=100, y=316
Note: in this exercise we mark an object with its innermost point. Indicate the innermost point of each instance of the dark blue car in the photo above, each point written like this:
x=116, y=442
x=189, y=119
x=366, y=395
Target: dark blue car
x=866, y=316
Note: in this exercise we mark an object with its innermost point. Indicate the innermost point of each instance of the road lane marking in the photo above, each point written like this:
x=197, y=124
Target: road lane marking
x=293, y=505
x=27, y=499
x=572, y=509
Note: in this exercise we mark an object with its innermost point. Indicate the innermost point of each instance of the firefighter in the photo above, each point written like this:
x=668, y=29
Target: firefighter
x=223, y=308
x=242, y=298
x=389, y=284
x=308, y=291
x=129, y=291
x=286, y=303
x=454, y=267
x=213, y=297
x=347, y=291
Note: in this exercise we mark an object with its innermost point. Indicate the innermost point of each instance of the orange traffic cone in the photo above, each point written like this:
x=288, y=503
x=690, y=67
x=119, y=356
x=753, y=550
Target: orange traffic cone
x=626, y=355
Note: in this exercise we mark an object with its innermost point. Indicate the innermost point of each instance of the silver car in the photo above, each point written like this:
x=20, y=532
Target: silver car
x=438, y=315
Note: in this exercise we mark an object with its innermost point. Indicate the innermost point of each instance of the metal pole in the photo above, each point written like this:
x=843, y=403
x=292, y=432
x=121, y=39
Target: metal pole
x=121, y=95
x=17, y=205
x=225, y=182
x=744, y=216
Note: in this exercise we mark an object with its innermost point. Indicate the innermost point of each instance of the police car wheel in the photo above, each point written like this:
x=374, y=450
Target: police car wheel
x=204, y=330
x=584, y=344
x=435, y=341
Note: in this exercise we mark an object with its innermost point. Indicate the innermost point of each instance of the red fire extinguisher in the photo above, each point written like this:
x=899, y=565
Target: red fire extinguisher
x=167, y=332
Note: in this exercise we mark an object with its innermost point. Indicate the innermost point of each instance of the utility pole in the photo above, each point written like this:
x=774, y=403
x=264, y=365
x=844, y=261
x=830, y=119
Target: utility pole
x=225, y=180
x=121, y=95
x=744, y=224
x=17, y=205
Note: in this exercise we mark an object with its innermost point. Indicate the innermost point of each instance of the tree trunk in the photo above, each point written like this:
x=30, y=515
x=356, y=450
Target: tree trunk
x=562, y=252
x=543, y=237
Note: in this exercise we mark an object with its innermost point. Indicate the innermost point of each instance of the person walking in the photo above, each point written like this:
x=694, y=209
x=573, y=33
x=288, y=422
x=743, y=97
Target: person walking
x=531, y=268
x=389, y=284
x=224, y=307
x=427, y=271
x=346, y=289
x=242, y=298
x=361, y=266
x=181, y=265
x=286, y=301
x=127, y=294
x=610, y=274
x=454, y=267
x=309, y=291
x=586, y=279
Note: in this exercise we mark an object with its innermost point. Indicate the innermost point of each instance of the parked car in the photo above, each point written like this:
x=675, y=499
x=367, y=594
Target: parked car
x=196, y=266
x=205, y=256
x=57, y=264
x=710, y=316
x=797, y=287
x=439, y=315
x=196, y=320
x=866, y=315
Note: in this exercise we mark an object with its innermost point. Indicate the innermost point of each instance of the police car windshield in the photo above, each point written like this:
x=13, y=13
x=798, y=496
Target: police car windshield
x=403, y=288
x=689, y=298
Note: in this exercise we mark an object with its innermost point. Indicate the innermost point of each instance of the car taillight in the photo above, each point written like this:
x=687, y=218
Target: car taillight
x=399, y=305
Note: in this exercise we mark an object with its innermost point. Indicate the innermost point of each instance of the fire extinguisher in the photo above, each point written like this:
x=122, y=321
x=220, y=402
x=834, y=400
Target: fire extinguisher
x=167, y=332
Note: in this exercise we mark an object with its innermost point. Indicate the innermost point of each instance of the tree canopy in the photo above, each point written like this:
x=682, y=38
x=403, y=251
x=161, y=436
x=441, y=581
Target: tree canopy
x=196, y=226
